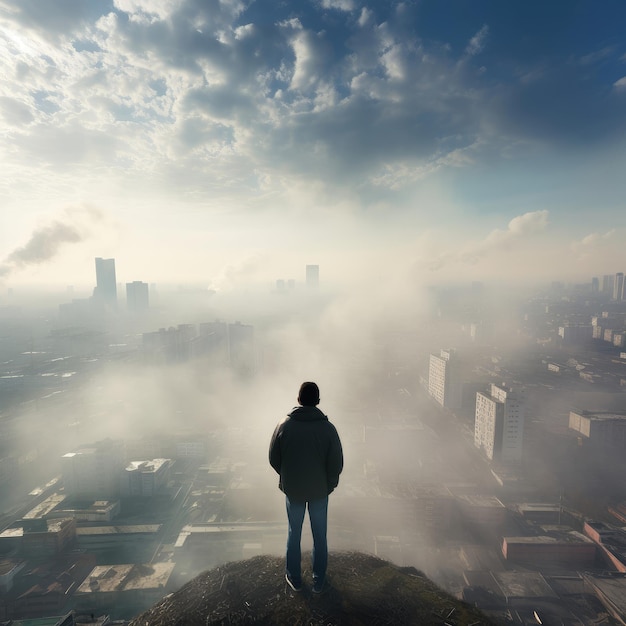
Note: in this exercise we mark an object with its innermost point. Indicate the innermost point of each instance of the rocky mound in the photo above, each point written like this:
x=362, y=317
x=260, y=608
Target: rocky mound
x=364, y=590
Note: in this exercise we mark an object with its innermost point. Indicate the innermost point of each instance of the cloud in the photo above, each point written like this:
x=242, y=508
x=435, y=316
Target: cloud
x=477, y=42
x=620, y=85
x=15, y=113
x=237, y=273
x=194, y=96
x=46, y=241
x=521, y=228
x=594, y=244
x=340, y=5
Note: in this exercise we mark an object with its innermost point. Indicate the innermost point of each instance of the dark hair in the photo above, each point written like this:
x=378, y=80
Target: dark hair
x=309, y=394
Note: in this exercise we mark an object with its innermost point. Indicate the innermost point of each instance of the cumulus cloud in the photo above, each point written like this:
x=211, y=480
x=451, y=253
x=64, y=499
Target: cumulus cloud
x=225, y=98
x=593, y=244
x=620, y=84
x=278, y=93
x=520, y=226
x=520, y=229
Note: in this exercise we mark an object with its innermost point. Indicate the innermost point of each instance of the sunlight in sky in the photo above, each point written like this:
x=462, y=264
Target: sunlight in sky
x=450, y=140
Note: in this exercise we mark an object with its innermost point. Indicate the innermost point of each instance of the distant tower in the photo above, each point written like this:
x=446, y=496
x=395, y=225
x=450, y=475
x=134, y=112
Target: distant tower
x=607, y=283
x=618, y=286
x=595, y=284
x=241, y=347
x=106, y=285
x=137, y=296
x=312, y=275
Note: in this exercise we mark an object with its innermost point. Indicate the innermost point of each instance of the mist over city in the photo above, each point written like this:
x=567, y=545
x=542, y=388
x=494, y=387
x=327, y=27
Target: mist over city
x=417, y=205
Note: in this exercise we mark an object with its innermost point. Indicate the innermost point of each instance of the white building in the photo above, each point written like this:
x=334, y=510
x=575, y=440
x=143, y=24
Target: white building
x=606, y=430
x=499, y=423
x=444, y=383
x=145, y=478
x=93, y=472
x=618, y=286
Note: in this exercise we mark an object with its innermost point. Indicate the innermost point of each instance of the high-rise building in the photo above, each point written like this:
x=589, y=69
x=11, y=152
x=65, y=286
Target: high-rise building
x=137, y=296
x=106, y=285
x=444, y=381
x=595, y=284
x=499, y=423
x=312, y=275
x=241, y=347
x=607, y=283
x=618, y=286
x=213, y=342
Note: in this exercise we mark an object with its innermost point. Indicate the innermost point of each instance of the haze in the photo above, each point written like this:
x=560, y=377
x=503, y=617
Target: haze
x=453, y=169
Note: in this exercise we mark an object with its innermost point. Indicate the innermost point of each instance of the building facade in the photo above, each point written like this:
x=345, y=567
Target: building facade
x=604, y=430
x=93, y=471
x=312, y=275
x=618, y=286
x=499, y=423
x=444, y=383
x=137, y=296
x=106, y=282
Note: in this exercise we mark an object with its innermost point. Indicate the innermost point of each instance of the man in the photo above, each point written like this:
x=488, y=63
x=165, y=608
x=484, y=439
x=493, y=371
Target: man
x=306, y=453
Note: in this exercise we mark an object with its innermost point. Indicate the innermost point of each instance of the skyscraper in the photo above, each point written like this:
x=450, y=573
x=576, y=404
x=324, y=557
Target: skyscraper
x=137, y=296
x=106, y=285
x=607, y=283
x=241, y=347
x=618, y=286
x=312, y=275
x=499, y=423
x=444, y=380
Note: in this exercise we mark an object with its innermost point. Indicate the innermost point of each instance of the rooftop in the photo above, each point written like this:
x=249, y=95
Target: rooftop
x=126, y=577
x=524, y=585
x=118, y=530
x=562, y=537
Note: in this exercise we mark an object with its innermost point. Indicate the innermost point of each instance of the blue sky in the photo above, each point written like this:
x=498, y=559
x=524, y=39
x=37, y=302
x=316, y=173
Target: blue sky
x=193, y=140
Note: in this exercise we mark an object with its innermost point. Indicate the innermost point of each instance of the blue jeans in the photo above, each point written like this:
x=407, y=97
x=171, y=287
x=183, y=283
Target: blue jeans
x=318, y=510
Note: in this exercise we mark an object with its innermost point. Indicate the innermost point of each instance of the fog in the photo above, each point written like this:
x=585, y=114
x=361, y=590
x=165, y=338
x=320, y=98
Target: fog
x=77, y=372
x=460, y=189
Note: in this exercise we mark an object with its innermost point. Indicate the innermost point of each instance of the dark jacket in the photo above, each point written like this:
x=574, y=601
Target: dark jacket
x=306, y=452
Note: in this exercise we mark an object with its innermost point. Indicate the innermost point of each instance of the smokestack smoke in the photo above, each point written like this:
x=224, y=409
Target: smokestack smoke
x=46, y=241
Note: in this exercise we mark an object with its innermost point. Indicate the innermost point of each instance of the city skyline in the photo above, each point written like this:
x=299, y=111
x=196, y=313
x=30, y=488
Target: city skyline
x=250, y=137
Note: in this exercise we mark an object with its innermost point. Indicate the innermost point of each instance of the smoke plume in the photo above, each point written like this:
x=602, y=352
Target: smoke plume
x=46, y=241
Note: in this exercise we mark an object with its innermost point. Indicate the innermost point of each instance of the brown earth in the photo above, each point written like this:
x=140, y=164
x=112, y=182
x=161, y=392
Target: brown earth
x=364, y=590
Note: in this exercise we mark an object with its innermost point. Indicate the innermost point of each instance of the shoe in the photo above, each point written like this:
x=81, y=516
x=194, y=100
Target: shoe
x=293, y=585
x=320, y=586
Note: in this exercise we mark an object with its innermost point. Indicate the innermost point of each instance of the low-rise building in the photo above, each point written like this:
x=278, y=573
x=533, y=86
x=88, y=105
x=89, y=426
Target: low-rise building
x=129, y=540
x=482, y=512
x=600, y=429
x=125, y=589
x=611, y=542
x=569, y=548
x=145, y=478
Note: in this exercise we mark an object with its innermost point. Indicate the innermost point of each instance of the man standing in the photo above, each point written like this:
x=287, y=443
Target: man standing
x=306, y=453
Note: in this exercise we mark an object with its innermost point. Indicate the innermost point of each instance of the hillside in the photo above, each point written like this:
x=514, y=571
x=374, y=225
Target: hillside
x=365, y=590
